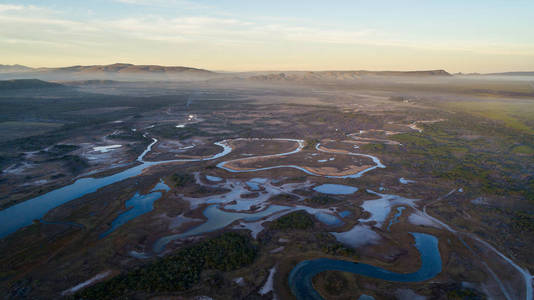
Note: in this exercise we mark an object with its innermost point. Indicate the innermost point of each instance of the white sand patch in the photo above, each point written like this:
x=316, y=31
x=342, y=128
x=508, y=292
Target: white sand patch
x=405, y=181
x=17, y=168
x=279, y=249
x=138, y=255
x=37, y=182
x=415, y=127
x=86, y=283
x=268, y=286
x=480, y=201
x=381, y=208
x=359, y=235
x=239, y=281
x=104, y=149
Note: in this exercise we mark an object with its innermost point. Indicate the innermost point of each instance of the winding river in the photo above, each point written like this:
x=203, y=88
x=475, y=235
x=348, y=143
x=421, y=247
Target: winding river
x=300, y=278
x=376, y=160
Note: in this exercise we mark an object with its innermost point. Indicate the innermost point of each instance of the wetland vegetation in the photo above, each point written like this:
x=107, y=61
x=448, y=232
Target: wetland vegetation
x=274, y=197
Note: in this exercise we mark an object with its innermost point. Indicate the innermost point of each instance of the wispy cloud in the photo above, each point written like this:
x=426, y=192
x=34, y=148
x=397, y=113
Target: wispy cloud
x=183, y=4
x=8, y=7
x=51, y=29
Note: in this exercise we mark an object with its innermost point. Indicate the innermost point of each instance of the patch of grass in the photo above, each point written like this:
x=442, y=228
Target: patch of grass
x=310, y=144
x=512, y=115
x=372, y=147
x=179, y=271
x=523, y=150
x=74, y=163
x=14, y=129
x=182, y=179
x=340, y=250
x=486, y=165
x=62, y=149
x=295, y=220
x=335, y=283
x=321, y=200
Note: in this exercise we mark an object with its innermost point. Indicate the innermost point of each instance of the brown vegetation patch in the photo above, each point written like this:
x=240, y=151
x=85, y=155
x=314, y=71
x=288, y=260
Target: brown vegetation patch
x=331, y=171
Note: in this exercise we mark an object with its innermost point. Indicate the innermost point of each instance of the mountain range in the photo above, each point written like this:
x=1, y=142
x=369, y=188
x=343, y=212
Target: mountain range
x=131, y=72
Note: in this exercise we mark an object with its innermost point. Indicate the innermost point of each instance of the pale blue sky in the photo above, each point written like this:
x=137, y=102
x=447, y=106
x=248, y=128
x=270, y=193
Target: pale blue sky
x=467, y=36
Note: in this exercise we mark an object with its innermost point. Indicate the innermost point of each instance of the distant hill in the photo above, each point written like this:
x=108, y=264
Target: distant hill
x=119, y=72
x=127, y=68
x=89, y=82
x=14, y=68
x=341, y=75
x=131, y=72
x=20, y=84
x=512, y=74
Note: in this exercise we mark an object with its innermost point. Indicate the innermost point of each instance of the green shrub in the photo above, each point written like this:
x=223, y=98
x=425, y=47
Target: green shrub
x=295, y=220
x=179, y=271
x=182, y=179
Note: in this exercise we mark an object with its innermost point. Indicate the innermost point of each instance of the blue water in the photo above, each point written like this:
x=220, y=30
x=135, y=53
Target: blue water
x=24, y=213
x=253, y=186
x=136, y=206
x=213, y=178
x=161, y=186
x=395, y=218
x=345, y=213
x=328, y=219
x=300, y=278
x=335, y=189
x=217, y=219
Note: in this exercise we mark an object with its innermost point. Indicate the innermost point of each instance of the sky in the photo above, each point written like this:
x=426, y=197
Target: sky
x=246, y=35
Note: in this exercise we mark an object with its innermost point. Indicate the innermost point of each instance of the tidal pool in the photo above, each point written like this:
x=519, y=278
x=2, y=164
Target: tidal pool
x=217, y=219
x=345, y=214
x=253, y=186
x=328, y=219
x=161, y=186
x=255, y=183
x=136, y=206
x=300, y=278
x=335, y=189
x=380, y=208
x=213, y=178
